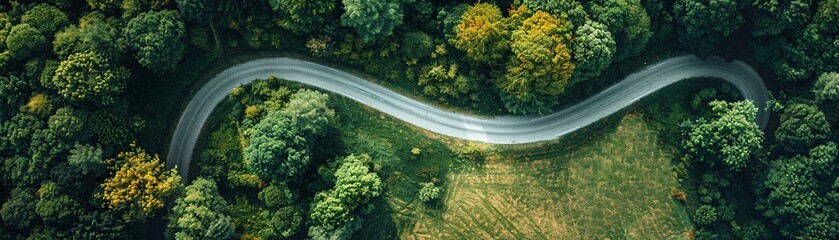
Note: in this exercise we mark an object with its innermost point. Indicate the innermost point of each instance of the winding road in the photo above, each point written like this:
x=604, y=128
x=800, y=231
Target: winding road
x=498, y=130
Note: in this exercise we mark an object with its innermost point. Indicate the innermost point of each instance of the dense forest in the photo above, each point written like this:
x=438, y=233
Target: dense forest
x=90, y=91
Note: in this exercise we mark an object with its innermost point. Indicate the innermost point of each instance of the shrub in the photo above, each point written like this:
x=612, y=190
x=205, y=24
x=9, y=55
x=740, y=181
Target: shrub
x=429, y=192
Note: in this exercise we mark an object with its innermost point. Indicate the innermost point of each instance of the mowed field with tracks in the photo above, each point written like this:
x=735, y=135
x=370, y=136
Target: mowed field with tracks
x=616, y=185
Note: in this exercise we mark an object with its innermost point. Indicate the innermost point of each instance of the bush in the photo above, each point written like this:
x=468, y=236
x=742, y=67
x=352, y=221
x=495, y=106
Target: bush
x=429, y=192
x=705, y=215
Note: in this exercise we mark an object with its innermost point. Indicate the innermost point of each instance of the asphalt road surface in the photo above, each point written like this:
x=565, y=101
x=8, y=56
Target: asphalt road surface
x=498, y=130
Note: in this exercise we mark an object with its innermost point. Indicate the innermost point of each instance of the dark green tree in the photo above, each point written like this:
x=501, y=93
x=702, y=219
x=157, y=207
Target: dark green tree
x=305, y=15
x=448, y=18
x=774, y=16
x=13, y=92
x=17, y=132
x=46, y=18
x=628, y=22
x=706, y=22
x=24, y=40
x=416, y=45
x=802, y=194
x=94, y=35
x=158, y=39
x=19, y=211
x=565, y=9
x=54, y=208
x=198, y=11
x=100, y=225
x=286, y=221
x=276, y=196
x=730, y=137
x=373, y=20
x=276, y=151
x=802, y=126
x=68, y=125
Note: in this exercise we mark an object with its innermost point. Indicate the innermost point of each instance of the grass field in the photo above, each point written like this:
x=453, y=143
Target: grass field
x=617, y=187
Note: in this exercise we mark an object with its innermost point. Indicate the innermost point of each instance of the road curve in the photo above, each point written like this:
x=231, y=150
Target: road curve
x=499, y=130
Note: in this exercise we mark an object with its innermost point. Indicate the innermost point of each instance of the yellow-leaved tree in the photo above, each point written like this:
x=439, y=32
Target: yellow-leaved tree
x=482, y=33
x=139, y=184
x=541, y=63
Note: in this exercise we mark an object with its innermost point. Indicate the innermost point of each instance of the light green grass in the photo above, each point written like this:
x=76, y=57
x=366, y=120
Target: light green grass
x=617, y=186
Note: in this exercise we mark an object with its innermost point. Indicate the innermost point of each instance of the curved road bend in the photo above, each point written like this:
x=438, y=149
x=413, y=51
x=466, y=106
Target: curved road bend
x=498, y=130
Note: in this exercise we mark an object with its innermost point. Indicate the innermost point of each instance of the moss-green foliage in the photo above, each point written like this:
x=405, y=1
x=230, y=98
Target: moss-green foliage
x=372, y=20
x=731, y=137
x=158, y=38
x=802, y=126
x=88, y=76
x=23, y=40
x=200, y=213
x=802, y=191
x=93, y=34
x=46, y=18
x=706, y=24
x=428, y=192
x=705, y=215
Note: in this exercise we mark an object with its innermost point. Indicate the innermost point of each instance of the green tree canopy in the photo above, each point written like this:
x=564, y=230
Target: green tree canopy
x=628, y=22
x=428, y=192
x=87, y=76
x=276, y=150
x=88, y=159
x=448, y=18
x=355, y=185
x=94, y=35
x=482, y=33
x=442, y=79
x=68, y=125
x=46, y=18
x=564, y=9
x=19, y=211
x=706, y=22
x=540, y=66
x=826, y=87
x=305, y=15
x=774, y=16
x=372, y=19
x=593, y=50
x=416, y=45
x=159, y=39
x=803, y=191
x=802, y=126
x=54, y=208
x=730, y=137
x=200, y=213
x=198, y=11
x=24, y=40
x=309, y=113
